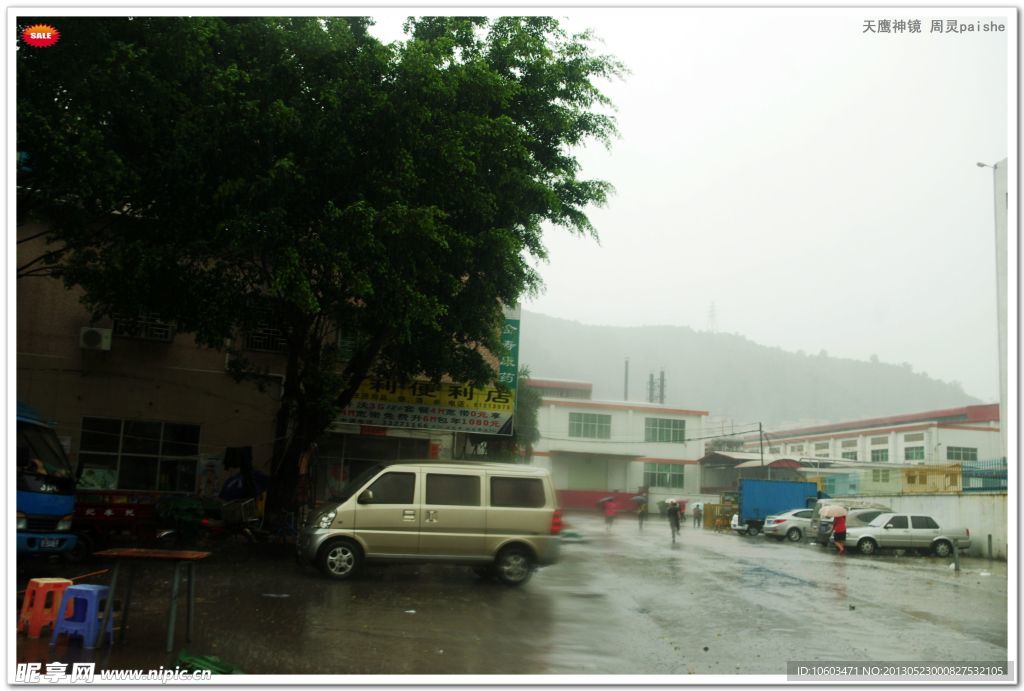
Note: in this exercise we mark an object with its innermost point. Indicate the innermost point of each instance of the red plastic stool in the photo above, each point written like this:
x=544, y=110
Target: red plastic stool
x=41, y=603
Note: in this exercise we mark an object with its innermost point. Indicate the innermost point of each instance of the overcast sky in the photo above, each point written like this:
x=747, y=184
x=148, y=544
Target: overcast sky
x=816, y=184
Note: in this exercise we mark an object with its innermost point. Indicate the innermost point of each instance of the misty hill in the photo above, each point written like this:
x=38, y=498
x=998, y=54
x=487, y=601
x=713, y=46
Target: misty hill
x=727, y=374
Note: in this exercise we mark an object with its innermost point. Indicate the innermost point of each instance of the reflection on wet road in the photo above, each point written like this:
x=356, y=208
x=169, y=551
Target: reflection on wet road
x=619, y=603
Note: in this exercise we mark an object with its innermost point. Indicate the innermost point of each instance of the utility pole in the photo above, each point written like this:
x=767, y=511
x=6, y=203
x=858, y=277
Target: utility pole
x=661, y=388
x=650, y=388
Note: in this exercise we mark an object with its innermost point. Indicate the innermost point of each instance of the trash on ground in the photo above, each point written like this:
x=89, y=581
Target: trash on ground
x=276, y=595
x=410, y=611
x=206, y=662
x=985, y=573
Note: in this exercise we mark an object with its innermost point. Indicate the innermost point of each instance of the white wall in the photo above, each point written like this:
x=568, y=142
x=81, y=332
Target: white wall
x=982, y=514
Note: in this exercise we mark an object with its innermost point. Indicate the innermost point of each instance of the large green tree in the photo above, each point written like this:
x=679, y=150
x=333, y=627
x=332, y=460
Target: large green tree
x=232, y=172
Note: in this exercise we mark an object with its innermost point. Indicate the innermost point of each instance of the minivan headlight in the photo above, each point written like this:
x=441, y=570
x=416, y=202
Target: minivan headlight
x=64, y=523
x=325, y=519
x=22, y=522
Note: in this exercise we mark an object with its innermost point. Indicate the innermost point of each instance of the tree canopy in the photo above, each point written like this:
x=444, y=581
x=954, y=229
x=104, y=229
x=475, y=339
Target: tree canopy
x=234, y=172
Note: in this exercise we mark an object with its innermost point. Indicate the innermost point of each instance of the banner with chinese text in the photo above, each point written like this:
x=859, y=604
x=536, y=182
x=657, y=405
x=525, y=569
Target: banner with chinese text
x=452, y=407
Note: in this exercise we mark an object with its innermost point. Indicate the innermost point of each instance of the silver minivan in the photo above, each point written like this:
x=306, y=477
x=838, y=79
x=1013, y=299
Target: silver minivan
x=501, y=519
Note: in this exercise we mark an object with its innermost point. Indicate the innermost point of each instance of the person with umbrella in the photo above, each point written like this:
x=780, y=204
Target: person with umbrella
x=673, y=517
x=641, y=509
x=838, y=514
x=610, y=510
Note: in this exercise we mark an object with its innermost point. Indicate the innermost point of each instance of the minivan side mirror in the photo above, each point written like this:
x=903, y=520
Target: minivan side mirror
x=888, y=525
x=366, y=497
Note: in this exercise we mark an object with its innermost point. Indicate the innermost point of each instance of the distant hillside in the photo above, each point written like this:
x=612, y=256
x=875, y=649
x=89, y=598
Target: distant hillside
x=726, y=374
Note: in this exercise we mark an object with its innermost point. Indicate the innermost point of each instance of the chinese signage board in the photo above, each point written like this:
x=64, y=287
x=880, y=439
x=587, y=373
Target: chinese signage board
x=451, y=407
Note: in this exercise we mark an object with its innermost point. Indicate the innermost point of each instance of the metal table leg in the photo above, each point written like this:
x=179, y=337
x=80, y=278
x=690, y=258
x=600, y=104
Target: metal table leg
x=107, y=611
x=175, y=589
x=191, y=598
x=127, y=600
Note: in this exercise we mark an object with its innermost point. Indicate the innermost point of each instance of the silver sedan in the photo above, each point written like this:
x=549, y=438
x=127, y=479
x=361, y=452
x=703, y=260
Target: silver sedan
x=791, y=525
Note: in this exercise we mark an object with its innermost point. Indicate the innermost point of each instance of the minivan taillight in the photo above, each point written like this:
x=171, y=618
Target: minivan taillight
x=556, y=522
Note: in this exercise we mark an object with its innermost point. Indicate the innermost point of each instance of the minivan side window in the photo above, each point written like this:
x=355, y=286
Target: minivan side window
x=518, y=492
x=393, y=488
x=453, y=490
x=923, y=523
x=898, y=522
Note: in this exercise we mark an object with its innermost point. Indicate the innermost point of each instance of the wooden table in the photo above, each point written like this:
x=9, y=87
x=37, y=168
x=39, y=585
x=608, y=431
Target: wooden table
x=183, y=560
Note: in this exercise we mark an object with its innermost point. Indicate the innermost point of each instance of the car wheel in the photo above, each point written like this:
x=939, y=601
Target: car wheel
x=794, y=535
x=514, y=566
x=340, y=559
x=867, y=546
x=752, y=531
x=943, y=548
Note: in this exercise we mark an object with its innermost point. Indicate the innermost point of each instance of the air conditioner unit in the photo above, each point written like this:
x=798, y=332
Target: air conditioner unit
x=91, y=338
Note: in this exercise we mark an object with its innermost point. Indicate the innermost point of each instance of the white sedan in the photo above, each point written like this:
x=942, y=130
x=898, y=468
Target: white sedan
x=791, y=525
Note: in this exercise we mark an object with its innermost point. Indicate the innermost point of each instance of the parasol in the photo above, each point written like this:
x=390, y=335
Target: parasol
x=640, y=499
x=832, y=510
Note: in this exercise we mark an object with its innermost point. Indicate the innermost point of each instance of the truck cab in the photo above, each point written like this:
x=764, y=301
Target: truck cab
x=45, y=488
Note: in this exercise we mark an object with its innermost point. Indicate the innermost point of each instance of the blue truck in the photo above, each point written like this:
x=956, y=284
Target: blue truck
x=45, y=488
x=759, y=499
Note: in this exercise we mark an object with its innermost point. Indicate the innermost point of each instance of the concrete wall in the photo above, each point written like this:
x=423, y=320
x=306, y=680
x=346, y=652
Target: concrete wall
x=982, y=514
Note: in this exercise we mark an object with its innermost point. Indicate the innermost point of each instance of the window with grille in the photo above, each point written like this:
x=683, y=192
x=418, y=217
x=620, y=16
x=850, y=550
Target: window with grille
x=664, y=430
x=138, y=454
x=590, y=425
x=879, y=455
x=796, y=448
x=849, y=443
x=266, y=339
x=961, y=453
x=878, y=441
x=850, y=455
x=668, y=475
x=879, y=475
x=821, y=446
x=146, y=326
x=914, y=437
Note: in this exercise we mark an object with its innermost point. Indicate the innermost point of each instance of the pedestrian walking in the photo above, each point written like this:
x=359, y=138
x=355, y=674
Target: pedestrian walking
x=641, y=513
x=673, y=517
x=610, y=509
x=698, y=516
x=839, y=533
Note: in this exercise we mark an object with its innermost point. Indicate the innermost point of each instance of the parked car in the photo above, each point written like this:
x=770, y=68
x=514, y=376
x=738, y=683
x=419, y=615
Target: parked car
x=907, y=531
x=501, y=519
x=791, y=525
x=820, y=529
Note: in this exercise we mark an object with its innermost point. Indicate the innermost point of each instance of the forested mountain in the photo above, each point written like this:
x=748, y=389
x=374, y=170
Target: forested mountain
x=727, y=374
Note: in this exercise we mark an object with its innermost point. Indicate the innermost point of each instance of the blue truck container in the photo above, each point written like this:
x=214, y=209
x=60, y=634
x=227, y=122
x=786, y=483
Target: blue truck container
x=759, y=499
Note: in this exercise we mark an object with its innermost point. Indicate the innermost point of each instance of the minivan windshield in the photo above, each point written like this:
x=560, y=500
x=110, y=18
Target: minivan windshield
x=358, y=481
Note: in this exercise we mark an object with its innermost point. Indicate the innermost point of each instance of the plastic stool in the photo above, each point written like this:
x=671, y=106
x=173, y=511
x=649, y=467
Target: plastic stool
x=85, y=603
x=39, y=607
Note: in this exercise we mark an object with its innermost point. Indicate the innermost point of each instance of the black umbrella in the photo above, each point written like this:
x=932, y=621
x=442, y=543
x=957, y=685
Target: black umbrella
x=640, y=499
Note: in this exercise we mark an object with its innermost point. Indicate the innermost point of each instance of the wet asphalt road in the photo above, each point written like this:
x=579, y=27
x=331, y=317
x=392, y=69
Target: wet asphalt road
x=622, y=602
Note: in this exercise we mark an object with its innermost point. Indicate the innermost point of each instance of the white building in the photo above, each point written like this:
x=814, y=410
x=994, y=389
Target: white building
x=604, y=448
x=953, y=435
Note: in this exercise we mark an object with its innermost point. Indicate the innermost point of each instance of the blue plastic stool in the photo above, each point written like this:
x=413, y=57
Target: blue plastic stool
x=85, y=618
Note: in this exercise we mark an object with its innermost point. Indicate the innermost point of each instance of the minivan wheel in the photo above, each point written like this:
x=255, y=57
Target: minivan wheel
x=339, y=559
x=867, y=547
x=794, y=534
x=514, y=566
x=943, y=549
